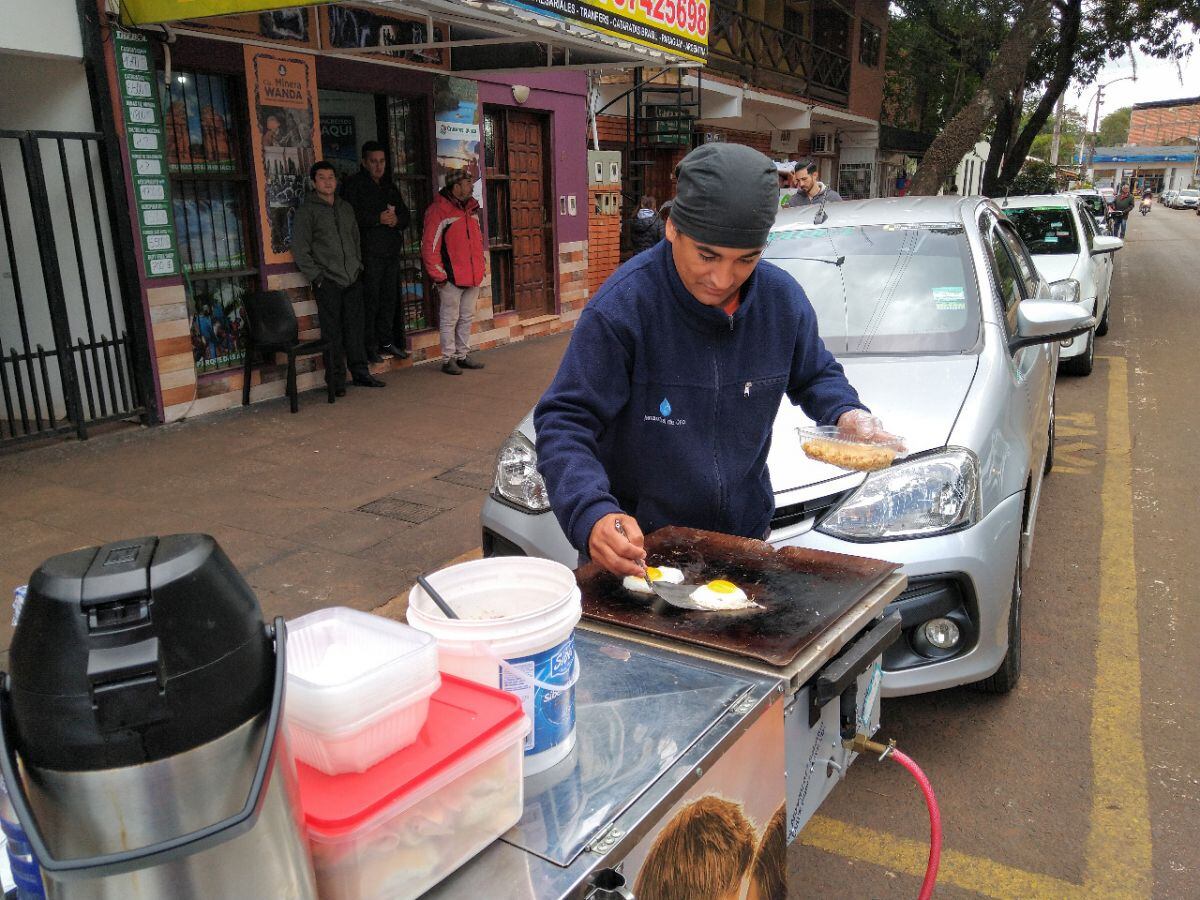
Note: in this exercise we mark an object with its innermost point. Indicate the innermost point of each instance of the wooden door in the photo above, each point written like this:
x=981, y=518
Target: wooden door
x=531, y=214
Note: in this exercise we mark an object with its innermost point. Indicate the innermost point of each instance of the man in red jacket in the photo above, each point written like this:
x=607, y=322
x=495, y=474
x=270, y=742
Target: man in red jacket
x=452, y=250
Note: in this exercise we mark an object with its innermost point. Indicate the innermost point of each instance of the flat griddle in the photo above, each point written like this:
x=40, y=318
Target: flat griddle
x=801, y=592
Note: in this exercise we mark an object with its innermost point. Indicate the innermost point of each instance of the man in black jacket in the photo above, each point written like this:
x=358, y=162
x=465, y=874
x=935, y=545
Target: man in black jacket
x=382, y=218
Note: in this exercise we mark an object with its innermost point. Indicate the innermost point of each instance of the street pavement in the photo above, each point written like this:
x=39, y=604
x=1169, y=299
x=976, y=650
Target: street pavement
x=1081, y=783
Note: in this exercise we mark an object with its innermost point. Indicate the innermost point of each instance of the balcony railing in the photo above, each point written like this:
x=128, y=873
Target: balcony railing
x=764, y=55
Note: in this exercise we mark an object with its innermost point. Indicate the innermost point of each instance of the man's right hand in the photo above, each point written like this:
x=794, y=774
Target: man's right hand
x=388, y=217
x=619, y=553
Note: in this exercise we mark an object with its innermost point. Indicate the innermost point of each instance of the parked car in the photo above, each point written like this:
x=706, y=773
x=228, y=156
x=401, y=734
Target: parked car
x=1077, y=262
x=1109, y=194
x=1097, y=208
x=1167, y=197
x=943, y=324
x=1188, y=198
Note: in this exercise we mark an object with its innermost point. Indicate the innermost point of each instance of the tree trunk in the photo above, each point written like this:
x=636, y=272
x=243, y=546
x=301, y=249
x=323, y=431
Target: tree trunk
x=1005, y=77
x=1064, y=67
x=1002, y=136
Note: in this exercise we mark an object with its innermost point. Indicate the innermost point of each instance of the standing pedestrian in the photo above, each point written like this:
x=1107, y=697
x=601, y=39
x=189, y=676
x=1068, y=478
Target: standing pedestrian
x=382, y=218
x=1119, y=210
x=810, y=190
x=325, y=244
x=645, y=228
x=452, y=250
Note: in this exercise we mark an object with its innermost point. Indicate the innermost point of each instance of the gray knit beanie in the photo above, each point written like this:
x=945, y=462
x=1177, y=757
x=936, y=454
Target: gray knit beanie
x=726, y=195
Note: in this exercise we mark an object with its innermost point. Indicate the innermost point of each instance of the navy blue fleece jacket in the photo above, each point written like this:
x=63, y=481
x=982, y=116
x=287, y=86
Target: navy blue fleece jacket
x=662, y=407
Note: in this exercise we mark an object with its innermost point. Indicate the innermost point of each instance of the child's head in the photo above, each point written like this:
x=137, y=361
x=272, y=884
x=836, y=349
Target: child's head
x=768, y=871
x=703, y=852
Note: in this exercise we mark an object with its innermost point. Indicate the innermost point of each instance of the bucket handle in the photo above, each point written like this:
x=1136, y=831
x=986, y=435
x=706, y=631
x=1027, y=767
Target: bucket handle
x=153, y=854
x=485, y=650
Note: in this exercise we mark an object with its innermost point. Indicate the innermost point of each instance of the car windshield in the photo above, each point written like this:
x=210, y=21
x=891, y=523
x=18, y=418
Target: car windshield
x=1045, y=229
x=1094, y=203
x=885, y=289
x=1189, y=193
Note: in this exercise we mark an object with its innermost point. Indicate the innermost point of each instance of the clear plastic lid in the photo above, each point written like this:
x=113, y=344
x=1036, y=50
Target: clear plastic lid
x=829, y=444
x=345, y=666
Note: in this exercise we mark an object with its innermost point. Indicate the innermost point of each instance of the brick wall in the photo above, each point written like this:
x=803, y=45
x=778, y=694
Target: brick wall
x=604, y=235
x=1164, y=124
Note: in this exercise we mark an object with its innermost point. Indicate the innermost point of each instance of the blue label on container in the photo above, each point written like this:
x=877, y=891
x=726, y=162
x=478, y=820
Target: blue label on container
x=551, y=712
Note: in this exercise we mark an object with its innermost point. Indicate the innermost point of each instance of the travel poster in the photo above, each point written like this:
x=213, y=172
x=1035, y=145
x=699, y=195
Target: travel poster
x=285, y=137
x=339, y=144
x=456, y=128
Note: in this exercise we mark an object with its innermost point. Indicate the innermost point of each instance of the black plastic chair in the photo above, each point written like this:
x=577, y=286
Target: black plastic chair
x=273, y=329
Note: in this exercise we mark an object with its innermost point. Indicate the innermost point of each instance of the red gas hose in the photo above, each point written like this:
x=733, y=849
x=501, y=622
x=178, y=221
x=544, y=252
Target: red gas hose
x=935, y=823
x=860, y=744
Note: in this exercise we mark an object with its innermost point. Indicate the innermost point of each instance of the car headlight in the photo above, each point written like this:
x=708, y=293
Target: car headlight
x=517, y=478
x=923, y=497
x=1067, y=289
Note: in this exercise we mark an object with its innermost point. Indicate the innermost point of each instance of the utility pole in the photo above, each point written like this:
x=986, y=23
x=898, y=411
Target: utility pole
x=1095, y=135
x=1054, y=141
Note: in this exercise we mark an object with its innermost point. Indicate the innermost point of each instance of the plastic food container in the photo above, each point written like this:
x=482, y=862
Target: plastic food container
x=398, y=829
x=827, y=444
x=358, y=688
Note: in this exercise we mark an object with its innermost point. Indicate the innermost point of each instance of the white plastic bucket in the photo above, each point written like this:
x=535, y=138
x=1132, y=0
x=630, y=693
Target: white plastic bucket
x=516, y=631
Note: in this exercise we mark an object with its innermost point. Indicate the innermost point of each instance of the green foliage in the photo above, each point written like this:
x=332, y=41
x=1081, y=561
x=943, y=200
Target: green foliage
x=1114, y=128
x=1035, y=178
x=1067, y=144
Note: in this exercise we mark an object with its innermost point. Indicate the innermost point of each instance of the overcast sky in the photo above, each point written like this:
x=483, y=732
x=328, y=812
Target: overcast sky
x=1156, y=80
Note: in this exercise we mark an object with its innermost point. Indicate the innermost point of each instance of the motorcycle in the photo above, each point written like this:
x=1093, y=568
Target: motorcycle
x=1145, y=210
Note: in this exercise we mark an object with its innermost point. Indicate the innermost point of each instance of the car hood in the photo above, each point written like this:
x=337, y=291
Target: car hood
x=1056, y=266
x=916, y=397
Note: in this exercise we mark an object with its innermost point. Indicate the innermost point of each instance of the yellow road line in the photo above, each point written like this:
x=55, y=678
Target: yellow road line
x=983, y=876
x=1118, y=844
x=1118, y=849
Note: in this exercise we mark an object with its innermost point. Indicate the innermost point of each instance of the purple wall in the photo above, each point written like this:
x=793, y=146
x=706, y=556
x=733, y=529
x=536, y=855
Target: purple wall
x=564, y=95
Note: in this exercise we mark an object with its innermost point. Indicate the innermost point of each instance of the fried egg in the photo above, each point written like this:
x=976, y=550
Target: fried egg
x=666, y=574
x=721, y=594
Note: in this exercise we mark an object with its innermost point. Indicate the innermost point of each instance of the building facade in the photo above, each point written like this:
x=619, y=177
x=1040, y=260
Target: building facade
x=1154, y=169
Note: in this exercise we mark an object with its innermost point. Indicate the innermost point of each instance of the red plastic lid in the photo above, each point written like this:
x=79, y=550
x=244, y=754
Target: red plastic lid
x=463, y=715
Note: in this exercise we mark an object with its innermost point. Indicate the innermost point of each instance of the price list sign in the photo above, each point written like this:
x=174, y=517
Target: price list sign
x=147, y=154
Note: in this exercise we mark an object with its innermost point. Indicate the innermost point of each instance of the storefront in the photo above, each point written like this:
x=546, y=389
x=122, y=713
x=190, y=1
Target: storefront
x=223, y=116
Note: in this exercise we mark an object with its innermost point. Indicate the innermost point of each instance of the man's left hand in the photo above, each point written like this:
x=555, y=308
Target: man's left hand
x=860, y=425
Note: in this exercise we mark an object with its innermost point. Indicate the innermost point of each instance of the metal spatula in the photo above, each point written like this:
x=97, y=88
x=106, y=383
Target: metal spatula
x=678, y=595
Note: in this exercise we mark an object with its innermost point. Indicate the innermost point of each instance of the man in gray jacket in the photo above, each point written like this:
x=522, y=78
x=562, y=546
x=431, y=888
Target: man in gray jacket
x=325, y=244
x=811, y=191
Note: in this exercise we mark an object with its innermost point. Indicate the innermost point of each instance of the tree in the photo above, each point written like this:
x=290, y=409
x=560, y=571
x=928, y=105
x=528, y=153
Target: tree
x=1005, y=77
x=1076, y=41
x=1040, y=148
x=1035, y=177
x=1114, y=128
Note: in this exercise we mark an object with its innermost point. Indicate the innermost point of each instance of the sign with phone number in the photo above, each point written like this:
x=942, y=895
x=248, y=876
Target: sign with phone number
x=676, y=26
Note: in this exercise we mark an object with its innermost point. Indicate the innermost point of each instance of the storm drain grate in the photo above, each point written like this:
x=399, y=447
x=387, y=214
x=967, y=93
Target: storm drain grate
x=404, y=510
x=467, y=476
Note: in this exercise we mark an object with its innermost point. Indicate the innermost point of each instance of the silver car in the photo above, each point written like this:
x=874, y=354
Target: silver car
x=945, y=327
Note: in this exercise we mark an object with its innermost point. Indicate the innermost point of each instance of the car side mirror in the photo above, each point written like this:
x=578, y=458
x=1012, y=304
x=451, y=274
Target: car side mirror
x=1103, y=243
x=1047, y=321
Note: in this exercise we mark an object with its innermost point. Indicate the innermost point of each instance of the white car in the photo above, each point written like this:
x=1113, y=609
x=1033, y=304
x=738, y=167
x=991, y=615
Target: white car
x=946, y=329
x=1078, y=263
x=1186, y=199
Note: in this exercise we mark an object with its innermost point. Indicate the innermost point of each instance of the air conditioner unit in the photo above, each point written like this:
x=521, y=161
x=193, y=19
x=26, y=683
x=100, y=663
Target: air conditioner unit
x=785, y=141
x=822, y=143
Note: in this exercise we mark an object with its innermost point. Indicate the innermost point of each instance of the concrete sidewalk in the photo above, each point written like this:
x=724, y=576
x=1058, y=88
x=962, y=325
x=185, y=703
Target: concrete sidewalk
x=336, y=505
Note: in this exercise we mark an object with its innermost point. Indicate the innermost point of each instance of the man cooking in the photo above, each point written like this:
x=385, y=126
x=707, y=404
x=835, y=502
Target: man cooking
x=662, y=408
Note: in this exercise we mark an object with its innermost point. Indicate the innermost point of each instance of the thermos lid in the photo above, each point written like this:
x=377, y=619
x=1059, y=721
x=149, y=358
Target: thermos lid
x=136, y=651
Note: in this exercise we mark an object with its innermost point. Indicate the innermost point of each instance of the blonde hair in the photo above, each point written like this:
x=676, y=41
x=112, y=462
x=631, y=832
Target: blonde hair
x=702, y=853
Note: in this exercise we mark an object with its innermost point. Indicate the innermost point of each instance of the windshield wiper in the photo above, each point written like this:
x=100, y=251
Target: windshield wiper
x=832, y=260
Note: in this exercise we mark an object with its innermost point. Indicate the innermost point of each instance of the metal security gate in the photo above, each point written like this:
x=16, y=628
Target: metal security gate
x=66, y=357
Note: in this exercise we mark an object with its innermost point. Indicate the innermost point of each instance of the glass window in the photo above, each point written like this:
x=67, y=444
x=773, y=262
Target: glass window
x=885, y=289
x=211, y=208
x=410, y=170
x=1004, y=271
x=1046, y=231
x=870, y=41
x=1094, y=204
x=1087, y=224
x=1030, y=279
x=854, y=180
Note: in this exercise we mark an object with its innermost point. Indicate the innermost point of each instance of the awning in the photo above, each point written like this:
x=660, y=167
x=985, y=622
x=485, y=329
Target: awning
x=498, y=36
